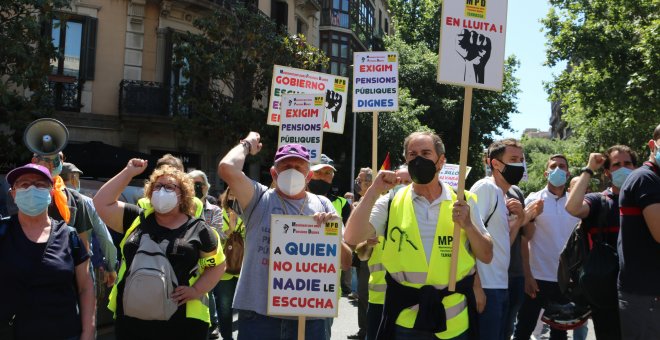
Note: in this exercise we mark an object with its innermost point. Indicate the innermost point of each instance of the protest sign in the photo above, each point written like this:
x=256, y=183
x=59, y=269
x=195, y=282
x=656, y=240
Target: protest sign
x=472, y=41
x=375, y=81
x=301, y=120
x=292, y=80
x=303, y=275
x=450, y=174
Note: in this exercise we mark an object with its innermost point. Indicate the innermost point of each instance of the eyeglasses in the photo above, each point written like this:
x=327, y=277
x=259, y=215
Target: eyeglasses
x=27, y=184
x=169, y=187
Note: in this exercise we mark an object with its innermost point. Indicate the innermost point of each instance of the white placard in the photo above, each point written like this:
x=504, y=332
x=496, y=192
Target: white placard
x=375, y=81
x=301, y=122
x=472, y=38
x=449, y=174
x=303, y=271
x=293, y=80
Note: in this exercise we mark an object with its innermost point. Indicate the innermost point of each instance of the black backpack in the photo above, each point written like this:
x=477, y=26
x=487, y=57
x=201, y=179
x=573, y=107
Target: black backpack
x=573, y=258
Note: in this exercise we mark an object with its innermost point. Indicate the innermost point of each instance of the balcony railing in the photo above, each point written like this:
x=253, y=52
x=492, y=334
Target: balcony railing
x=143, y=98
x=63, y=93
x=332, y=17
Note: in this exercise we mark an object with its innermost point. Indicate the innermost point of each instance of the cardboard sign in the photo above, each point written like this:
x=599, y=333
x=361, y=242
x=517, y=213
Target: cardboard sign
x=301, y=122
x=449, y=174
x=292, y=80
x=472, y=37
x=375, y=81
x=303, y=271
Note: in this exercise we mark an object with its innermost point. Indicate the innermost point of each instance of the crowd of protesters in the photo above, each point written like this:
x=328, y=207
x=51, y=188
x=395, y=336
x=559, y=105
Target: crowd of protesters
x=398, y=233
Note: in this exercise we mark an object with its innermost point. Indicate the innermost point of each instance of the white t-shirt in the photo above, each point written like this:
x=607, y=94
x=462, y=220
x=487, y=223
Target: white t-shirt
x=427, y=214
x=553, y=228
x=491, y=200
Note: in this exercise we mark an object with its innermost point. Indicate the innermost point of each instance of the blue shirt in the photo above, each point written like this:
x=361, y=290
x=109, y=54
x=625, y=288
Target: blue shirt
x=39, y=284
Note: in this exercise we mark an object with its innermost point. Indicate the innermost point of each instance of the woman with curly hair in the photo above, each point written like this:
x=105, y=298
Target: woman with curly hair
x=170, y=260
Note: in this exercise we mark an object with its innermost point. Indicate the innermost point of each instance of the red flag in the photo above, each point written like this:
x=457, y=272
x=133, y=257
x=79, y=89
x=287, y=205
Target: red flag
x=386, y=164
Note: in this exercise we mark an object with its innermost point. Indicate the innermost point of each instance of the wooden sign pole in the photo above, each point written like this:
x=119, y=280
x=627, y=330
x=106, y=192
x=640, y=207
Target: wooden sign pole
x=465, y=138
x=301, y=328
x=374, y=145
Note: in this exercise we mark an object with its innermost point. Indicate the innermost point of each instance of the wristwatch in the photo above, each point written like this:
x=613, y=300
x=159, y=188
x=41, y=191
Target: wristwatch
x=587, y=170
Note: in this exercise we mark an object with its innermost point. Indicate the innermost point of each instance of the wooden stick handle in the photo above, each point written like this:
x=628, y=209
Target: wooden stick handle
x=465, y=138
x=301, y=328
x=374, y=145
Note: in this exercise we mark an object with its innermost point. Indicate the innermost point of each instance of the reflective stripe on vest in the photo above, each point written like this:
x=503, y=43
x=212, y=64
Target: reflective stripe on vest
x=196, y=308
x=339, y=203
x=404, y=258
x=377, y=285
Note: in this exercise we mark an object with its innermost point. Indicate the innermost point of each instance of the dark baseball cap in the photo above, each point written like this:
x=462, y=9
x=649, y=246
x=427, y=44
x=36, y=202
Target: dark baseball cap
x=291, y=150
x=13, y=175
x=68, y=168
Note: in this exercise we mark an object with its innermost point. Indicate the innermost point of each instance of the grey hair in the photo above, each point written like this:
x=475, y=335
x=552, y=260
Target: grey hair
x=200, y=173
x=437, y=142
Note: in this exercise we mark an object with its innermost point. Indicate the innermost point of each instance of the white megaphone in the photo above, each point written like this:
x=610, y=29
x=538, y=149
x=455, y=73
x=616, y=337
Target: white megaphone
x=46, y=136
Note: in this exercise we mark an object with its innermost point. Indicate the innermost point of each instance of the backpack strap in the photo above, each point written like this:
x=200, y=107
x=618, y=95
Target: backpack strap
x=497, y=201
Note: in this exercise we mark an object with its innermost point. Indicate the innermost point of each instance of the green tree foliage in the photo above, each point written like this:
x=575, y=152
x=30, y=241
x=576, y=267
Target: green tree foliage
x=230, y=67
x=538, y=151
x=490, y=110
x=610, y=91
x=417, y=21
x=24, y=66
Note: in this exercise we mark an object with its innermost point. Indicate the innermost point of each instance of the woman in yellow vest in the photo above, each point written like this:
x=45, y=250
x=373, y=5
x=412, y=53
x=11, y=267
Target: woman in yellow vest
x=417, y=230
x=225, y=289
x=170, y=259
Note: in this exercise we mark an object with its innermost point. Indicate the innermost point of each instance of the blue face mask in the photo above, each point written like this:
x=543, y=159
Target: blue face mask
x=557, y=177
x=32, y=201
x=619, y=176
x=657, y=154
x=56, y=170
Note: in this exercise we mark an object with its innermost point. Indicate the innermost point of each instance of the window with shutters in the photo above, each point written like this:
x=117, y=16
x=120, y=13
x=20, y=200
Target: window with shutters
x=74, y=39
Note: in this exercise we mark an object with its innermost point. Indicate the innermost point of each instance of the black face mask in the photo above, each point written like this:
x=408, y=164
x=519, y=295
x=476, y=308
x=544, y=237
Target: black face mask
x=199, y=192
x=422, y=170
x=513, y=173
x=319, y=187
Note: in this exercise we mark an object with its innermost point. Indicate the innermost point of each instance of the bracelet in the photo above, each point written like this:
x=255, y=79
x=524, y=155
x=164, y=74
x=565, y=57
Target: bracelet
x=587, y=170
x=246, y=145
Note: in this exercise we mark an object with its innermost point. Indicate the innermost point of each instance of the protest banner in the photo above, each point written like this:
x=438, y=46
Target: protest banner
x=301, y=122
x=375, y=88
x=449, y=174
x=472, y=39
x=303, y=275
x=292, y=80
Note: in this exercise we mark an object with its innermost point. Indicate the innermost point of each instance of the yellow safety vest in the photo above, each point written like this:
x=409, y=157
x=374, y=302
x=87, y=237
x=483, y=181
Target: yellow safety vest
x=339, y=203
x=377, y=285
x=225, y=227
x=404, y=259
x=196, y=309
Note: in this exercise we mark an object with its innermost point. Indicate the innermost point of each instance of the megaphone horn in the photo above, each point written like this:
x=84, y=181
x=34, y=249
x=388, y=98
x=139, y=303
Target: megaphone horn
x=46, y=136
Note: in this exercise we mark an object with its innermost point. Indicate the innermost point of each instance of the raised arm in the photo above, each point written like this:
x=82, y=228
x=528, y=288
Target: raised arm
x=358, y=227
x=230, y=168
x=106, y=201
x=575, y=204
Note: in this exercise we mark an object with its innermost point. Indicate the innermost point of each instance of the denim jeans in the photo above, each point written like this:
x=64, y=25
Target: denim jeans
x=224, y=296
x=254, y=326
x=640, y=316
x=516, y=297
x=492, y=320
x=402, y=333
x=581, y=332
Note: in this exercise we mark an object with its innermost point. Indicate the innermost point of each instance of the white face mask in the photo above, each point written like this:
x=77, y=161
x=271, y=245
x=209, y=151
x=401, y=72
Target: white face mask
x=163, y=201
x=291, y=182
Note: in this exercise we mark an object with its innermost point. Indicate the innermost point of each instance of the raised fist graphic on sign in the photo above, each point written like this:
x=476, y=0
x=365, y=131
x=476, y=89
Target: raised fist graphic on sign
x=475, y=49
x=333, y=103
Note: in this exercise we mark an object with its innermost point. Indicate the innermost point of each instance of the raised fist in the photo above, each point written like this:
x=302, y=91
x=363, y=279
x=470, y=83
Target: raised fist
x=475, y=50
x=333, y=103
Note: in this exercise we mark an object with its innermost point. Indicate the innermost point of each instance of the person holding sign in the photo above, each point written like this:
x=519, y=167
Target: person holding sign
x=291, y=174
x=417, y=228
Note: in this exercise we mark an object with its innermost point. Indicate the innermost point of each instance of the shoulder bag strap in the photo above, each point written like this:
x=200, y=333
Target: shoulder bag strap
x=497, y=201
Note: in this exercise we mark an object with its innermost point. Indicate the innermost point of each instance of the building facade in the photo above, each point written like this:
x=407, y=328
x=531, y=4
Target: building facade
x=113, y=83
